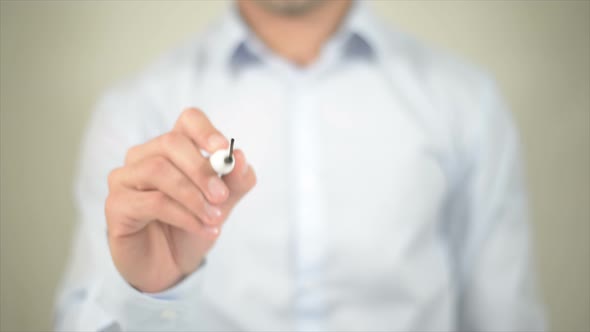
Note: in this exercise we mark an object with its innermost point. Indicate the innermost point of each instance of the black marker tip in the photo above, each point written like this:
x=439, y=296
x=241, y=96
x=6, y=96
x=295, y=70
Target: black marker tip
x=230, y=159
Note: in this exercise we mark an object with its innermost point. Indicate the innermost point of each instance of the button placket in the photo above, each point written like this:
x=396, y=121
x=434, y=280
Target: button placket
x=169, y=314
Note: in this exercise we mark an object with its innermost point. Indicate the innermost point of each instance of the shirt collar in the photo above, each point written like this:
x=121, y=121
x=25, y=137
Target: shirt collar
x=237, y=46
x=364, y=29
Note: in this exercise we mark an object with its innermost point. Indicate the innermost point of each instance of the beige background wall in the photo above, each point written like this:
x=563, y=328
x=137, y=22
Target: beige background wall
x=57, y=57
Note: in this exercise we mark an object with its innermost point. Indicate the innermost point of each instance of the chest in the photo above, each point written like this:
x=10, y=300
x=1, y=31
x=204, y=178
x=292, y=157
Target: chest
x=343, y=161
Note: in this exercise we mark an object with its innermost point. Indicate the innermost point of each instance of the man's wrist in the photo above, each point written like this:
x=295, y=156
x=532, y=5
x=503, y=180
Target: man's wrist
x=178, y=290
x=132, y=309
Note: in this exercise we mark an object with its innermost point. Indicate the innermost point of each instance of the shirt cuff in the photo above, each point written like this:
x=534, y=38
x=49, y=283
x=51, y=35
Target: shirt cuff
x=136, y=311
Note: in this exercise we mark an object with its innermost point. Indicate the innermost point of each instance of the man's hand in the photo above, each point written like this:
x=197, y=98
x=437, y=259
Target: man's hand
x=166, y=204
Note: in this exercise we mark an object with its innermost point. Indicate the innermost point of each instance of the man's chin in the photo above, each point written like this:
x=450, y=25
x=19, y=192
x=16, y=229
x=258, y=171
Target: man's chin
x=290, y=7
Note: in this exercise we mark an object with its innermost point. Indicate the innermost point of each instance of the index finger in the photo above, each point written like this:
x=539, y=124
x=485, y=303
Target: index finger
x=194, y=124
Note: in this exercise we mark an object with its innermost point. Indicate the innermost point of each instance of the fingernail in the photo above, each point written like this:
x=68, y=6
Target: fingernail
x=216, y=142
x=212, y=230
x=245, y=169
x=213, y=212
x=217, y=188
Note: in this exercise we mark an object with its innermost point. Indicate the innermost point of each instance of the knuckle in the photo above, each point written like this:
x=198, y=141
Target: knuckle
x=156, y=166
x=112, y=178
x=189, y=114
x=130, y=155
x=110, y=206
x=156, y=201
x=170, y=140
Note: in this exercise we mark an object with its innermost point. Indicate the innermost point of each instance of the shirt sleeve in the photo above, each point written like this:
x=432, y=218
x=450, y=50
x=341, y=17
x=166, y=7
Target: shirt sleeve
x=496, y=279
x=93, y=296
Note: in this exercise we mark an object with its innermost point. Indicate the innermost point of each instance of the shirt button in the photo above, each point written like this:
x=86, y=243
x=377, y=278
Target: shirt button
x=168, y=314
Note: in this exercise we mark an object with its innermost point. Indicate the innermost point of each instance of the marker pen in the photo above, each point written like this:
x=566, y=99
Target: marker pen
x=222, y=161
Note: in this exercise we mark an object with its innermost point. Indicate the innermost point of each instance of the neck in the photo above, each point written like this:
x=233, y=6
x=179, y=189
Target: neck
x=297, y=38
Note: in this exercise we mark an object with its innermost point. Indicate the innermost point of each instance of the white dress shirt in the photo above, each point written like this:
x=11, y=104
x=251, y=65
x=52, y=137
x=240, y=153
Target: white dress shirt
x=389, y=196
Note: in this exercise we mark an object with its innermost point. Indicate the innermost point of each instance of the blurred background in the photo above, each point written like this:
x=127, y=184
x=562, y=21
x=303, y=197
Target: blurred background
x=57, y=57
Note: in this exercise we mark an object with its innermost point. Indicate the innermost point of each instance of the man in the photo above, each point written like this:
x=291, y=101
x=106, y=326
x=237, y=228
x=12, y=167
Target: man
x=387, y=194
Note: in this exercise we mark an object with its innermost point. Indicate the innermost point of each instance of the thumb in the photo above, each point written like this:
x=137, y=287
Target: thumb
x=240, y=181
